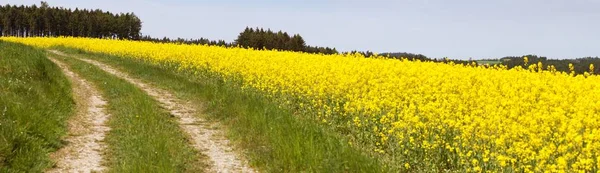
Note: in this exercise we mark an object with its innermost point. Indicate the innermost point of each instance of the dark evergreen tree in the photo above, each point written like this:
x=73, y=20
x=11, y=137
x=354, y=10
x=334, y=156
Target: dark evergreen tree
x=24, y=21
x=260, y=39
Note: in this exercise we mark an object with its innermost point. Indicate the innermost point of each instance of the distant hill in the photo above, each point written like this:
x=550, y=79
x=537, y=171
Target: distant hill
x=580, y=65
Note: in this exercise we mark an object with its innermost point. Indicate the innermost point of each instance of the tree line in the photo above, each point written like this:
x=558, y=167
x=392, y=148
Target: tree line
x=260, y=38
x=28, y=21
x=200, y=41
x=418, y=57
x=43, y=21
x=256, y=38
x=580, y=65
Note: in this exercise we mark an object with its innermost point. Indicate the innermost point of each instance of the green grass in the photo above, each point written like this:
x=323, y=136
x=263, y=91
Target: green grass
x=490, y=62
x=144, y=137
x=273, y=139
x=35, y=102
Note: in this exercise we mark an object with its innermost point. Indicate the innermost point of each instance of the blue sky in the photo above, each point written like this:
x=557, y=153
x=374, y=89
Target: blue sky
x=457, y=29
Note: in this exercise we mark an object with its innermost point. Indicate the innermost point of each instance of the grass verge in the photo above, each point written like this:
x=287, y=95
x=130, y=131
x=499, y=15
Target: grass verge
x=274, y=140
x=35, y=103
x=143, y=137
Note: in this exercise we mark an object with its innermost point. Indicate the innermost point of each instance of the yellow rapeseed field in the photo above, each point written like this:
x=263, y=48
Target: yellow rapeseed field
x=456, y=116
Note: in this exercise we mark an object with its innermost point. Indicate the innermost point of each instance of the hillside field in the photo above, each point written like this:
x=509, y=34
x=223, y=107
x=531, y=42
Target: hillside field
x=291, y=112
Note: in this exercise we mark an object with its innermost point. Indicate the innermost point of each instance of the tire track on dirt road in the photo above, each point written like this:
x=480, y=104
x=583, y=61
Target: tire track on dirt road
x=87, y=128
x=204, y=137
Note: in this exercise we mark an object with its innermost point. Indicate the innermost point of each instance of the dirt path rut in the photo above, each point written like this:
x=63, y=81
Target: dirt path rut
x=204, y=137
x=87, y=129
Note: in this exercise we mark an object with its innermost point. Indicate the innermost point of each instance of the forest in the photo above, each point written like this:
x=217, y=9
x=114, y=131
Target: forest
x=34, y=21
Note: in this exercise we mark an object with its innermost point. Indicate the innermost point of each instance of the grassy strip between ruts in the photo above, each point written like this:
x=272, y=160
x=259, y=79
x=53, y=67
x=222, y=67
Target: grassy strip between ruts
x=143, y=138
x=273, y=138
x=35, y=103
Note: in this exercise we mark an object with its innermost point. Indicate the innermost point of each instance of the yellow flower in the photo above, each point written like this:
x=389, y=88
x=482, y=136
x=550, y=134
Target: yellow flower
x=474, y=161
x=512, y=119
